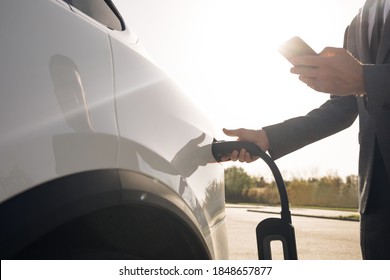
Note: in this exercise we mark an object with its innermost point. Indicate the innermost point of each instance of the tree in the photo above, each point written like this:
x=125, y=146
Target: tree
x=236, y=181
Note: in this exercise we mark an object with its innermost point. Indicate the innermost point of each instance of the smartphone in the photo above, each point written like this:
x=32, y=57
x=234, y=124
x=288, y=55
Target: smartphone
x=295, y=47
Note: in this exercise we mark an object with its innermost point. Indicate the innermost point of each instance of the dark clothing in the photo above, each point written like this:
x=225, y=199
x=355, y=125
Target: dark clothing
x=375, y=222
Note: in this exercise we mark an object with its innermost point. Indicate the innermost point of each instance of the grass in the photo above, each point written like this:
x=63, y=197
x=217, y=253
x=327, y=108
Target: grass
x=299, y=206
x=354, y=217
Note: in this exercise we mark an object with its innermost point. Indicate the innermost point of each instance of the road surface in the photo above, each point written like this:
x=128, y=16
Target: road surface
x=317, y=239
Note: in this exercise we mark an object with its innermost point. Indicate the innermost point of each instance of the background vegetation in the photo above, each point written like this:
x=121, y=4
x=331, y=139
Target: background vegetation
x=328, y=191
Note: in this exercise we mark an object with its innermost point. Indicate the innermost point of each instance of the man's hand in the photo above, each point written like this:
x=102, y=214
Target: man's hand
x=333, y=71
x=258, y=137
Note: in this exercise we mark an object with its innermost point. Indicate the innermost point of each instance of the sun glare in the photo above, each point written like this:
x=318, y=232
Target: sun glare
x=237, y=41
x=241, y=79
x=224, y=52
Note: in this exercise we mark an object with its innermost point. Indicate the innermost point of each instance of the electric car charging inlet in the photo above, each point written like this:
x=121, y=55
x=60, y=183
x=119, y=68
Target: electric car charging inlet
x=271, y=229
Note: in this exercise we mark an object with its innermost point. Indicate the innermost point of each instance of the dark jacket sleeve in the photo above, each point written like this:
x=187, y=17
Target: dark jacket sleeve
x=377, y=81
x=333, y=116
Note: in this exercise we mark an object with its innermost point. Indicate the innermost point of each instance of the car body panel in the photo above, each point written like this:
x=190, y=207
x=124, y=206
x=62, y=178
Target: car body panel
x=77, y=97
x=52, y=89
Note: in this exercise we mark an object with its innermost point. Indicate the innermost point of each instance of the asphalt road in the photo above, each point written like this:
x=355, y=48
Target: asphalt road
x=317, y=238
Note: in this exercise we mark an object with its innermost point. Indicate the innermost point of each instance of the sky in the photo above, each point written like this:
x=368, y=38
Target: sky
x=224, y=54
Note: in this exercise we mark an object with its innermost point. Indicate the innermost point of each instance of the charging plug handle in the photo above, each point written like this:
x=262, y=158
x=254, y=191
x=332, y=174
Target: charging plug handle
x=221, y=149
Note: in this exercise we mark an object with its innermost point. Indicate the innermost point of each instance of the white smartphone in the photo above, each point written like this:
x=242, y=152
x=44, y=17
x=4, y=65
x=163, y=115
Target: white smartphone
x=295, y=47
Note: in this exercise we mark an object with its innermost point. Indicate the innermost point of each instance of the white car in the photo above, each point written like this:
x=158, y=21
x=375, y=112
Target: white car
x=102, y=155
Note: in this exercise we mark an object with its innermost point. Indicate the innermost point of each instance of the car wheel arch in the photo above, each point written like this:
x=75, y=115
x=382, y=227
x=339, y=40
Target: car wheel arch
x=145, y=224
